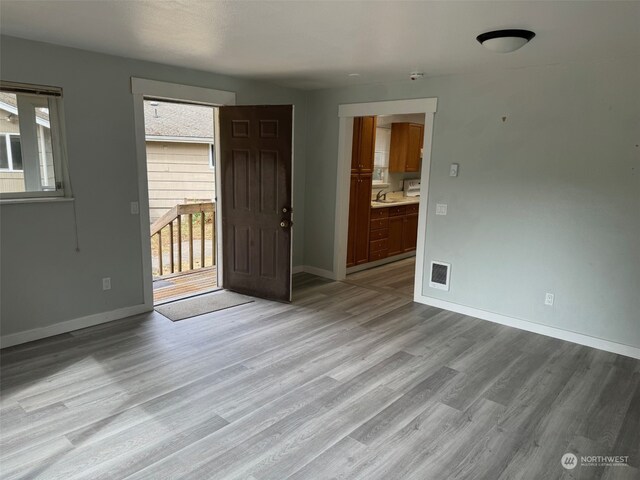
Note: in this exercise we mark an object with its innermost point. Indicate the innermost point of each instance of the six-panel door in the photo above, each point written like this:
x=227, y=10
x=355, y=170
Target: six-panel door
x=255, y=146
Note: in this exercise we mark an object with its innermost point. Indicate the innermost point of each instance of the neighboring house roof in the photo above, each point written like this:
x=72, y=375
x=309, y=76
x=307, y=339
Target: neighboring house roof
x=9, y=104
x=178, y=122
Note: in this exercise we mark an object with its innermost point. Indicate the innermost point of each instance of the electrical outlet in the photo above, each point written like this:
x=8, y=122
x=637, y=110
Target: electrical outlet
x=135, y=208
x=548, y=299
x=106, y=283
x=453, y=170
x=441, y=208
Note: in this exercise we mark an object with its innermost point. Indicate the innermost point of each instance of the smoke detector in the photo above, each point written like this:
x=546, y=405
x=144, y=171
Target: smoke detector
x=416, y=75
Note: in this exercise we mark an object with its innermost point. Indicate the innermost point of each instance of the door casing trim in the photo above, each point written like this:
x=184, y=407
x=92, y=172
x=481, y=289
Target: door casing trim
x=140, y=88
x=346, y=112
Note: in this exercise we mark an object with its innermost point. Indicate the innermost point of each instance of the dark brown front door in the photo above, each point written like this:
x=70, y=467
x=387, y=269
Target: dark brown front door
x=255, y=148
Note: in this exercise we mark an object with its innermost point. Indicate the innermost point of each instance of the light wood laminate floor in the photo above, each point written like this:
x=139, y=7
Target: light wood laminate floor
x=350, y=381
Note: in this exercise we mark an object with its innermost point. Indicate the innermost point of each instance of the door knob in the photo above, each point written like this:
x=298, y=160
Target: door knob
x=284, y=223
x=287, y=210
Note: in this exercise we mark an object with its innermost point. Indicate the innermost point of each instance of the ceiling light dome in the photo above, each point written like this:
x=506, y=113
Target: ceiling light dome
x=504, y=41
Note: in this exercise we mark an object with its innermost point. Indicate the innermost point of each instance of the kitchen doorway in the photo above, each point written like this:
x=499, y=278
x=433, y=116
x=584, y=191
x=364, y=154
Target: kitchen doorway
x=384, y=201
x=391, y=227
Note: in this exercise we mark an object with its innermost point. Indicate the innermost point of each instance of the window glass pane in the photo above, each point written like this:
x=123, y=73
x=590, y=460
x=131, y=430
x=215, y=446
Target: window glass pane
x=16, y=152
x=380, y=174
x=9, y=129
x=45, y=150
x=212, y=156
x=4, y=154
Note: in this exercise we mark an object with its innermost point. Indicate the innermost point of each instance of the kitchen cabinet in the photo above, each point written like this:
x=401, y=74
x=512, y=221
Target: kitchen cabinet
x=362, y=155
x=359, y=214
x=405, y=151
x=351, y=235
x=396, y=230
x=410, y=232
x=393, y=230
x=364, y=144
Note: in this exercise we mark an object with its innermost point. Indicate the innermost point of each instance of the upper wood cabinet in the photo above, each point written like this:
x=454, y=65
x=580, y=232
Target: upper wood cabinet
x=364, y=144
x=406, y=147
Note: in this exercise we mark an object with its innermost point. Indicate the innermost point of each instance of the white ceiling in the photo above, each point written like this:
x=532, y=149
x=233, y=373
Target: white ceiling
x=314, y=44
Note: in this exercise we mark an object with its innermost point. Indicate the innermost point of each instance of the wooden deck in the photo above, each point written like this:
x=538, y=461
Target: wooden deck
x=185, y=284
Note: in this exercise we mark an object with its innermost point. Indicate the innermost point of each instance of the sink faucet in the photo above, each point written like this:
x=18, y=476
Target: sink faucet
x=380, y=195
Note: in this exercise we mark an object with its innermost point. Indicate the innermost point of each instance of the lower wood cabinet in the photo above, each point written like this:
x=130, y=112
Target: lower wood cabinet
x=396, y=229
x=393, y=230
x=410, y=232
x=359, y=214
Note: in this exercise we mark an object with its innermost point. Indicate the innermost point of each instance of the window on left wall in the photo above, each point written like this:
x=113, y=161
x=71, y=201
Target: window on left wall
x=31, y=143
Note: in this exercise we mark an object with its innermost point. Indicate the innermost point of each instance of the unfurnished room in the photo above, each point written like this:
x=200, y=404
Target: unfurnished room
x=394, y=240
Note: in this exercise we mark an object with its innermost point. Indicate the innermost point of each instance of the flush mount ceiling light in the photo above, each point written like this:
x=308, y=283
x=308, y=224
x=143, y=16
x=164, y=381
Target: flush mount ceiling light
x=504, y=41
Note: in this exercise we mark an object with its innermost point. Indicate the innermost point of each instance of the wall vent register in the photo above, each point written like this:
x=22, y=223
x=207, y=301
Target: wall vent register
x=440, y=273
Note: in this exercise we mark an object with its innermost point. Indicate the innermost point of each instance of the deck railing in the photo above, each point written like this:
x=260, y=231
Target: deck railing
x=172, y=223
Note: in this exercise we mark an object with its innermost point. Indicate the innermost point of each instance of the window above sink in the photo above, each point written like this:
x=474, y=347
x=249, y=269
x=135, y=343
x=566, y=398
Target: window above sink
x=381, y=157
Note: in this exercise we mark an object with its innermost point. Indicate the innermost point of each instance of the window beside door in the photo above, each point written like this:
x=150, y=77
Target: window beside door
x=381, y=157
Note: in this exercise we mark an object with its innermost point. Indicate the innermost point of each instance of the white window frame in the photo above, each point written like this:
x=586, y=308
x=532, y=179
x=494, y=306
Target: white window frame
x=31, y=99
x=7, y=143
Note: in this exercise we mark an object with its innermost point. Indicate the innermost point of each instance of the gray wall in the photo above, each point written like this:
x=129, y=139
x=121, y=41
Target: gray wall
x=44, y=280
x=546, y=201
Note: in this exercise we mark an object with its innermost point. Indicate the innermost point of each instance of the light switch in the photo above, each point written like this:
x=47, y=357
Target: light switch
x=135, y=208
x=441, y=208
x=453, y=170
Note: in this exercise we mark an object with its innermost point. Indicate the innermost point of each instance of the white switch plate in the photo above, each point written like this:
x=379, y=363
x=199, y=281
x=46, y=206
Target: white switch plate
x=106, y=283
x=135, y=208
x=548, y=299
x=453, y=170
x=441, y=208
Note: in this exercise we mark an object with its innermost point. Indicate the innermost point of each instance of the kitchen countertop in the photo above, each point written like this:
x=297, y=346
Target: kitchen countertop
x=394, y=199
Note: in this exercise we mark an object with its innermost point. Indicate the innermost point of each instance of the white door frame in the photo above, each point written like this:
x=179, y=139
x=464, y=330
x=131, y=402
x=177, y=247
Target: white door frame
x=346, y=113
x=141, y=88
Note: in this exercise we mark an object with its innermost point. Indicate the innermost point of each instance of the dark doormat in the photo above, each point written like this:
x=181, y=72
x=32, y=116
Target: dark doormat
x=211, y=302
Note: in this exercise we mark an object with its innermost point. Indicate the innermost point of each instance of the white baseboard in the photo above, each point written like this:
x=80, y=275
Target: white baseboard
x=320, y=272
x=70, y=325
x=377, y=263
x=569, y=336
